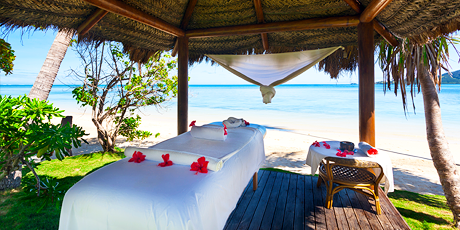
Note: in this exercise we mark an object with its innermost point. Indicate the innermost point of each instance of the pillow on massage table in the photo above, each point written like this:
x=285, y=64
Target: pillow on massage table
x=209, y=132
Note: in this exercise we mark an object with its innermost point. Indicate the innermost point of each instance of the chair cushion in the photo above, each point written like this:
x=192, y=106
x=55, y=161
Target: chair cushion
x=349, y=175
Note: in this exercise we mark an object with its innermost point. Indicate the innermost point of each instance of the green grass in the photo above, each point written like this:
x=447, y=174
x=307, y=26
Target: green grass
x=16, y=212
x=423, y=211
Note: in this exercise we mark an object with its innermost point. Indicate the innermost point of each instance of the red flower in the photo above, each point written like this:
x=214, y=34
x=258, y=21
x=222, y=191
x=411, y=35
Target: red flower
x=167, y=161
x=225, y=129
x=192, y=123
x=316, y=144
x=372, y=151
x=326, y=145
x=200, y=166
x=349, y=152
x=246, y=123
x=340, y=153
x=138, y=157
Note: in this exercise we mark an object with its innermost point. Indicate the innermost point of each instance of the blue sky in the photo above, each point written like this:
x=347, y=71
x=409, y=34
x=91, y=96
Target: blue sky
x=31, y=50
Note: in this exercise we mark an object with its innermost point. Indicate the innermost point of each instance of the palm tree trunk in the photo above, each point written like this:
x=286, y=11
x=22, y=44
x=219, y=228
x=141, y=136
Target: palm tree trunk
x=443, y=159
x=50, y=68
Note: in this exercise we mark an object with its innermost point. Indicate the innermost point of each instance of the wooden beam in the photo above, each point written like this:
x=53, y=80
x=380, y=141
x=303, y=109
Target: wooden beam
x=265, y=41
x=182, y=88
x=355, y=5
x=313, y=23
x=384, y=32
x=260, y=19
x=125, y=10
x=366, y=83
x=185, y=20
x=188, y=14
x=259, y=11
x=373, y=9
x=95, y=17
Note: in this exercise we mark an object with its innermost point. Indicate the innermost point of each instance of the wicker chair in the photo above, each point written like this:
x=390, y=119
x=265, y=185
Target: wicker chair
x=352, y=174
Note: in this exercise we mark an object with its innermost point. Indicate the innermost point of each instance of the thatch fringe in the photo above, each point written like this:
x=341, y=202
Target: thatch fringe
x=339, y=61
x=442, y=30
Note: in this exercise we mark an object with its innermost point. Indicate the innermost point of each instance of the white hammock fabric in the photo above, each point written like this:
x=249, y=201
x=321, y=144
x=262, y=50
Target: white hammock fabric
x=270, y=70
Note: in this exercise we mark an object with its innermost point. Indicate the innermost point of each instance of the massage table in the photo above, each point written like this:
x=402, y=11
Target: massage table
x=127, y=195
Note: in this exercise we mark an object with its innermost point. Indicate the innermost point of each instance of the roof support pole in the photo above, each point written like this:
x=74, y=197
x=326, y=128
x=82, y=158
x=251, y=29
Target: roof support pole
x=366, y=82
x=182, y=94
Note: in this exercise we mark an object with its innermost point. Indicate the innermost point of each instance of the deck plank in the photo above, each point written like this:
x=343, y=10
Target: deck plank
x=290, y=201
x=270, y=210
x=359, y=212
x=264, y=198
x=309, y=220
x=339, y=211
x=241, y=208
x=320, y=213
x=249, y=186
x=350, y=215
x=386, y=224
x=331, y=220
x=288, y=221
x=299, y=215
x=392, y=213
x=252, y=206
x=281, y=204
x=369, y=211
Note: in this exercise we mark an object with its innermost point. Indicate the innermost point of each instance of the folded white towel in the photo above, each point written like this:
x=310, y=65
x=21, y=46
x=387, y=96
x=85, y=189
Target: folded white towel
x=232, y=122
x=180, y=158
x=366, y=147
x=209, y=132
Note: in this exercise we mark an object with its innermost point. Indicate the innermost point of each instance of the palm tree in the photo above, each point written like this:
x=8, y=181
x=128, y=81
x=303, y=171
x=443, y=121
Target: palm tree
x=419, y=65
x=45, y=78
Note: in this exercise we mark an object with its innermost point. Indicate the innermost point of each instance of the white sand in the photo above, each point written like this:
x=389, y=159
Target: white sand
x=287, y=142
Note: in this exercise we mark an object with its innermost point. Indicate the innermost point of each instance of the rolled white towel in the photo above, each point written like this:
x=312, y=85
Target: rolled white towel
x=209, y=132
x=180, y=158
x=365, y=147
x=232, y=122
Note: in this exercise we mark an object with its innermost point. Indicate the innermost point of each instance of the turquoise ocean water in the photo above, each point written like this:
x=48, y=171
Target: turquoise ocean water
x=334, y=102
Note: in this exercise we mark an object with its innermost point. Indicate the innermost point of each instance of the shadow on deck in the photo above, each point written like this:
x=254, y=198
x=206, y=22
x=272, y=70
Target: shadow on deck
x=291, y=201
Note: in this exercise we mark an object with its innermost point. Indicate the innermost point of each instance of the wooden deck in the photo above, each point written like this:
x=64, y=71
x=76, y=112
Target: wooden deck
x=290, y=201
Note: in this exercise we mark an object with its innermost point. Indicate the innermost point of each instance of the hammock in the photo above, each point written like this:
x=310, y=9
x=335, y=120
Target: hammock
x=270, y=70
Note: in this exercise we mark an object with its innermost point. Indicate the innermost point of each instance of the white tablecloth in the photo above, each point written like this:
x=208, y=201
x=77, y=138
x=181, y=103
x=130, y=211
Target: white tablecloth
x=126, y=195
x=316, y=155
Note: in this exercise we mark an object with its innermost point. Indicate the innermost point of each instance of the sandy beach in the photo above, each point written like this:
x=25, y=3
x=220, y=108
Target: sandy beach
x=287, y=142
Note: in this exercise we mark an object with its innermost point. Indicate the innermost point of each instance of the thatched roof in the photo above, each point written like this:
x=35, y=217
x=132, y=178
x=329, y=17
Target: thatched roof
x=404, y=18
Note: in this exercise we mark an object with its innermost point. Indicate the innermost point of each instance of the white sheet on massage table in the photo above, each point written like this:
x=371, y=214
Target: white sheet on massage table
x=237, y=138
x=127, y=195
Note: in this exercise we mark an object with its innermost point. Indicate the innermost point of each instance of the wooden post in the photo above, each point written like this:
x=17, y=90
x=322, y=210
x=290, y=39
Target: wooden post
x=254, y=181
x=366, y=82
x=182, y=95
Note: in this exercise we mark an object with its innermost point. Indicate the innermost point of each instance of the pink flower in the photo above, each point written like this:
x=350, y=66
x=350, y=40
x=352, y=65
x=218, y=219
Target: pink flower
x=200, y=166
x=192, y=123
x=138, y=157
x=316, y=144
x=372, y=151
x=166, y=160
